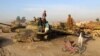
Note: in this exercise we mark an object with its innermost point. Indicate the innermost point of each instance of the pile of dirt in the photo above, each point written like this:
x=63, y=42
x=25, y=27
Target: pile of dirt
x=46, y=48
x=6, y=29
x=5, y=52
x=25, y=36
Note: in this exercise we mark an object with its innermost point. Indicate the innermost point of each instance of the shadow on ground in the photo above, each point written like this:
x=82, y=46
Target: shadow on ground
x=5, y=41
x=54, y=34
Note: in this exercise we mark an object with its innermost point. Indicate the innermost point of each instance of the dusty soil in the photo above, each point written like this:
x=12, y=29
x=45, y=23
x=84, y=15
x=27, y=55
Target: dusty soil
x=44, y=48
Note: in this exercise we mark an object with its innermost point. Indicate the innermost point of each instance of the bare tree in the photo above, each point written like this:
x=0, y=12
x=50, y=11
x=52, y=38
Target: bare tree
x=97, y=19
x=23, y=19
x=18, y=18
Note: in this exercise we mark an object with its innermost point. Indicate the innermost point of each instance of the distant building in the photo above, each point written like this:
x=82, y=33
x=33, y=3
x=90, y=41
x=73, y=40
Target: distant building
x=93, y=25
x=81, y=23
x=89, y=24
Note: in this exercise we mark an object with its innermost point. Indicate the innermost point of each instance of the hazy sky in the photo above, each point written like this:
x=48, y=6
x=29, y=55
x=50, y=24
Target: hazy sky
x=57, y=10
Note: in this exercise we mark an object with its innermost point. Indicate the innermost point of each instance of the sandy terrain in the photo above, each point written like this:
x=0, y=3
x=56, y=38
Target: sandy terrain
x=44, y=48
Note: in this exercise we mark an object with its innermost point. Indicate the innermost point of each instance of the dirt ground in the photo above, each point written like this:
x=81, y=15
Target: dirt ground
x=44, y=48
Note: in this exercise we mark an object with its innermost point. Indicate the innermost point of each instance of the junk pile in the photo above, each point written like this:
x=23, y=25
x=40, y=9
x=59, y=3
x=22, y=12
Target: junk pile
x=25, y=35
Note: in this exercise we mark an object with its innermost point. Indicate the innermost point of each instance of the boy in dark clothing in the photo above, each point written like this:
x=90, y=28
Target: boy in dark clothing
x=44, y=15
x=40, y=24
